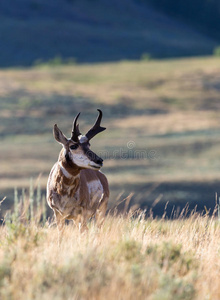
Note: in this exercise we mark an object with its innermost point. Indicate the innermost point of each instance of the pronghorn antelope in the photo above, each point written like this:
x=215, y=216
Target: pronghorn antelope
x=76, y=189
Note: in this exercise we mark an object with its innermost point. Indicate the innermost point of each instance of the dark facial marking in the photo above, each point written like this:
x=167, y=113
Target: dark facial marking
x=91, y=155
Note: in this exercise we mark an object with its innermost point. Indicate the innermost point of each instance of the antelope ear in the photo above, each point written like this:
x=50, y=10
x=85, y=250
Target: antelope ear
x=59, y=136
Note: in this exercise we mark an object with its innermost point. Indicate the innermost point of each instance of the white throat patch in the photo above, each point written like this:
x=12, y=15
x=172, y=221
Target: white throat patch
x=64, y=171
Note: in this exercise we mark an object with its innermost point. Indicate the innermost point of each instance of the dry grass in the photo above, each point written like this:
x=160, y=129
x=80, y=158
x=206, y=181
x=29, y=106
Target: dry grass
x=130, y=257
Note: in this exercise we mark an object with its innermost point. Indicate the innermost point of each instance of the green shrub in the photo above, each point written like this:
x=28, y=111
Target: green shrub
x=170, y=256
x=216, y=51
x=174, y=288
x=129, y=250
x=55, y=62
x=146, y=57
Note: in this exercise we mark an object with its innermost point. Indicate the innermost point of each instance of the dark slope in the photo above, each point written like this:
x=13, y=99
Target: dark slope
x=91, y=31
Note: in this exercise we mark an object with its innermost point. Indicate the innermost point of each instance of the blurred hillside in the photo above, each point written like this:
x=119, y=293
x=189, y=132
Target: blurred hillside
x=162, y=119
x=203, y=14
x=92, y=31
x=162, y=116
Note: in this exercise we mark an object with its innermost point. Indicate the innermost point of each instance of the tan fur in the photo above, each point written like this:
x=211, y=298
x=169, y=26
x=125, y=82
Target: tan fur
x=76, y=189
x=72, y=197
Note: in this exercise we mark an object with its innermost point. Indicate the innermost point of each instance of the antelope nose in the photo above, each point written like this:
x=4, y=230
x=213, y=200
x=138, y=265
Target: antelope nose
x=99, y=161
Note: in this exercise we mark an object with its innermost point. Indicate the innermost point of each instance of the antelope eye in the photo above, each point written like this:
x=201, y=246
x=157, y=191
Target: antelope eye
x=74, y=147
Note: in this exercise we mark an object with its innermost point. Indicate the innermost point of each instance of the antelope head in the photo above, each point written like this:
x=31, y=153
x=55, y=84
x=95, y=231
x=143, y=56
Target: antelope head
x=77, y=148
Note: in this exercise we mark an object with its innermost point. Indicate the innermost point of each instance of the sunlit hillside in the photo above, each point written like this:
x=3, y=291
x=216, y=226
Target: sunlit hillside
x=162, y=118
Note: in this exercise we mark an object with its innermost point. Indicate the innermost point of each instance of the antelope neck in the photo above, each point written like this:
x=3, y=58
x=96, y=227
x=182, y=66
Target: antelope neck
x=69, y=169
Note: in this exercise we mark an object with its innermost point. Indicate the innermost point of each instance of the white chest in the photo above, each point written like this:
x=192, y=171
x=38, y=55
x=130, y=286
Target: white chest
x=95, y=190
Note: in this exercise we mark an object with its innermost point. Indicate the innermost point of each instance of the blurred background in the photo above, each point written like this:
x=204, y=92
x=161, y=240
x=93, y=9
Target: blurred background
x=152, y=66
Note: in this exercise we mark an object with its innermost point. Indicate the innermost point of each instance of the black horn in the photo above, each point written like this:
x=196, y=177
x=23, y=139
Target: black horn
x=96, y=127
x=75, y=129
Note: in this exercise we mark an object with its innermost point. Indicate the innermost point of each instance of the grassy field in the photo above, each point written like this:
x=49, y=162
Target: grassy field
x=161, y=145
x=129, y=257
x=162, y=118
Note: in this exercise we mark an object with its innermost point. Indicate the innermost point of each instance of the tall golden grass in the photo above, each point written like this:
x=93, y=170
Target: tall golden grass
x=130, y=257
